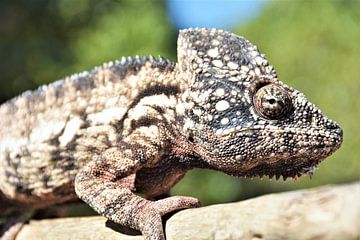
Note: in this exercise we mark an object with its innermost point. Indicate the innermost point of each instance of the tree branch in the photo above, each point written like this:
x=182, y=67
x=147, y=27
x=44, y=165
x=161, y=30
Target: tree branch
x=331, y=212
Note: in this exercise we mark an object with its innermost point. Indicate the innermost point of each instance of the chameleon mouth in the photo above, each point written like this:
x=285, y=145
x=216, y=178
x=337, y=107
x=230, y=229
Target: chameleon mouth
x=290, y=168
x=289, y=160
x=274, y=152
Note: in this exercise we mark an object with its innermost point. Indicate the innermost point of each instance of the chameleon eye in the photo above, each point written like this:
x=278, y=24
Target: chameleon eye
x=272, y=102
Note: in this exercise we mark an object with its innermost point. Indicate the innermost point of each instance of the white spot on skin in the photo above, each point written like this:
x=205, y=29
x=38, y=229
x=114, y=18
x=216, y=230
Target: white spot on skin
x=188, y=124
x=213, y=52
x=224, y=121
x=259, y=60
x=219, y=132
x=245, y=69
x=107, y=116
x=253, y=53
x=71, y=128
x=217, y=63
x=222, y=105
x=215, y=42
x=228, y=131
x=50, y=128
x=180, y=109
x=220, y=92
x=197, y=112
x=232, y=65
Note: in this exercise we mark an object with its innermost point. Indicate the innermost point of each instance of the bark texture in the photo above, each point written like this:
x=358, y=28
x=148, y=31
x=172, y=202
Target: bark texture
x=330, y=212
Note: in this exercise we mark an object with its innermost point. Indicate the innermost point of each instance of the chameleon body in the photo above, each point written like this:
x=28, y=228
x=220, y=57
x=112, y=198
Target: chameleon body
x=135, y=126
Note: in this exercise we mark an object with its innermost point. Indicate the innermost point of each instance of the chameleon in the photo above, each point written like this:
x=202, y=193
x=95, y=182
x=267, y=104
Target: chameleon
x=119, y=136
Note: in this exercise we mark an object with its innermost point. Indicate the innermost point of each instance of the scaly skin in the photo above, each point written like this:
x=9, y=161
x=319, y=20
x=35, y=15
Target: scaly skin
x=139, y=124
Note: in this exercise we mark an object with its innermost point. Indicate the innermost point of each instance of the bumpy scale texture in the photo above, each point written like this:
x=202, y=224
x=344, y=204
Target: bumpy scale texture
x=135, y=126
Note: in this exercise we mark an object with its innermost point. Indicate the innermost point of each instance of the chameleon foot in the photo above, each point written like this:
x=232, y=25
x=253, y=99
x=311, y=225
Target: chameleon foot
x=150, y=221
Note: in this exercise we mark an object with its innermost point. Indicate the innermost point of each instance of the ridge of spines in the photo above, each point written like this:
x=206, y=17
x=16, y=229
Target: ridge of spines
x=125, y=65
x=160, y=61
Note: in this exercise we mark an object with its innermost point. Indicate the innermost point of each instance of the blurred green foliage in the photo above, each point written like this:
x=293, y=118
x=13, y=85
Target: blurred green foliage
x=44, y=40
x=314, y=46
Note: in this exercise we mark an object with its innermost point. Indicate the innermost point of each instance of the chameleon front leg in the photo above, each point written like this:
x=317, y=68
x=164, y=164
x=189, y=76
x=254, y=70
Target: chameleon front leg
x=98, y=185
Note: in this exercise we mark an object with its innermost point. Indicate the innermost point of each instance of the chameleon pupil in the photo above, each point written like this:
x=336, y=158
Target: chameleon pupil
x=271, y=101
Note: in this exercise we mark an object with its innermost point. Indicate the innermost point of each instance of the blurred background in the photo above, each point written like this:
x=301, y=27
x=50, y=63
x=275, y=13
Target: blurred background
x=314, y=46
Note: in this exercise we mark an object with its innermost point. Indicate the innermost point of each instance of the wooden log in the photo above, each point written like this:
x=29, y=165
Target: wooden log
x=331, y=212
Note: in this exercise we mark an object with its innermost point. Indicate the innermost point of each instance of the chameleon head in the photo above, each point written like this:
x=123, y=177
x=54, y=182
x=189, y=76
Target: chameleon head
x=242, y=119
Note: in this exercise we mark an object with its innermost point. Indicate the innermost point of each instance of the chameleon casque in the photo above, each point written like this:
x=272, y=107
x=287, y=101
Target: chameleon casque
x=137, y=125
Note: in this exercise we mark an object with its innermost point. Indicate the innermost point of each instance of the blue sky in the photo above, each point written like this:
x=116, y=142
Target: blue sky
x=213, y=13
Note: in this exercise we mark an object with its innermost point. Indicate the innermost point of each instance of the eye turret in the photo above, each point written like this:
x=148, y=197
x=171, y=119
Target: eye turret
x=272, y=102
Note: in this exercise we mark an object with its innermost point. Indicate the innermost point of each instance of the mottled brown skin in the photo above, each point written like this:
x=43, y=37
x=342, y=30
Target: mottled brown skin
x=139, y=124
